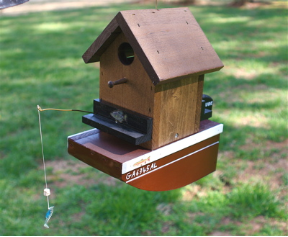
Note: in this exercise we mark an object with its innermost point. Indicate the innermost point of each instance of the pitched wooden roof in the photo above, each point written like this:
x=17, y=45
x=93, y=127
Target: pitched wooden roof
x=169, y=42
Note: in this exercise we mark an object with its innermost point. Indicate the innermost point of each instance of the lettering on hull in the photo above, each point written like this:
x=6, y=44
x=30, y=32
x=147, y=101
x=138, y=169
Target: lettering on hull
x=143, y=170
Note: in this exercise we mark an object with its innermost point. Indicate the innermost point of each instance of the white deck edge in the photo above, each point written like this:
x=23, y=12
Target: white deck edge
x=172, y=148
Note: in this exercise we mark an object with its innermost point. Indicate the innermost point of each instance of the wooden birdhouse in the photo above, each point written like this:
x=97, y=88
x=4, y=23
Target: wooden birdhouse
x=152, y=66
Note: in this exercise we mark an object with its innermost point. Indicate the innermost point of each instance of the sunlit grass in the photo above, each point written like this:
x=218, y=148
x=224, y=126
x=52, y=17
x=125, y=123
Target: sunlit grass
x=40, y=63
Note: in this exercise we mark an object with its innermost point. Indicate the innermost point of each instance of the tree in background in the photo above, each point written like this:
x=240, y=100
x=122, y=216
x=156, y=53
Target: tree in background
x=234, y=3
x=240, y=3
x=192, y=2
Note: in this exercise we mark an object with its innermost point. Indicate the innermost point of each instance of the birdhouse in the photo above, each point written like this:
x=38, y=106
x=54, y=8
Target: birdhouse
x=147, y=118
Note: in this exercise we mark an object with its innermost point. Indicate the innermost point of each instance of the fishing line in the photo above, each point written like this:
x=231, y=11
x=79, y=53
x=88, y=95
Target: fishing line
x=43, y=158
x=47, y=190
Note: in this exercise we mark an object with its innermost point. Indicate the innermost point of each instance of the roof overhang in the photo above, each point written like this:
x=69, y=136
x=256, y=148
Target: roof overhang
x=169, y=43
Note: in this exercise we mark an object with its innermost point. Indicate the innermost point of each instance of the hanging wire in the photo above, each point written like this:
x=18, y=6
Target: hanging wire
x=65, y=110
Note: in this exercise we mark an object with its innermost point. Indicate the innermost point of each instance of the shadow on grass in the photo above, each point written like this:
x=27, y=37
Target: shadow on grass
x=41, y=64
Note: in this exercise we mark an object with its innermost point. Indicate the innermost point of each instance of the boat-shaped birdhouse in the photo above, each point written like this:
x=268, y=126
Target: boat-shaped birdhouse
x=151, y=126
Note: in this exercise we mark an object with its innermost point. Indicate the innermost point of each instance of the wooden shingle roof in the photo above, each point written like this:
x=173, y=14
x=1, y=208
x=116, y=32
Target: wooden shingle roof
x=169, y=43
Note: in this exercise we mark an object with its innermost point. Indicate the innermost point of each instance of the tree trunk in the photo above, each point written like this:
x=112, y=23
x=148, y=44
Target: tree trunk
x=239, y=3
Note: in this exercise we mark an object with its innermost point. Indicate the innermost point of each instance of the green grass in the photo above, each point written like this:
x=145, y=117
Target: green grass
x=40, y=63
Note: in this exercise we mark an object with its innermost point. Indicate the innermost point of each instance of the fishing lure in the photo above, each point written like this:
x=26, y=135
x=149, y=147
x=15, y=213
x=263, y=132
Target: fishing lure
x=49, y=213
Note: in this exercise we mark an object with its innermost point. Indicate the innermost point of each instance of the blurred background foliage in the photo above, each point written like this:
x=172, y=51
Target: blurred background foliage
x=40, y=63
x=236, y=3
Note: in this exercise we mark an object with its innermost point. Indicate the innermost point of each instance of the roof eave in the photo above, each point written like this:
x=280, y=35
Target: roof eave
x=94, y=52
x=167, y=80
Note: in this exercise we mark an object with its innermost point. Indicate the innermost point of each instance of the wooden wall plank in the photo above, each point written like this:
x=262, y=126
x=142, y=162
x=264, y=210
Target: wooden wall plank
x=138, y=93
x=174, y=111
x=199, y=101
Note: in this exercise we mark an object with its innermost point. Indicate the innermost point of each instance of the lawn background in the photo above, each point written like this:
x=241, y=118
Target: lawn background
x=40, y=63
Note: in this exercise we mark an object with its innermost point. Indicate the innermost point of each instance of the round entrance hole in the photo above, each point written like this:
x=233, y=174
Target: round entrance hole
x=126, y=53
